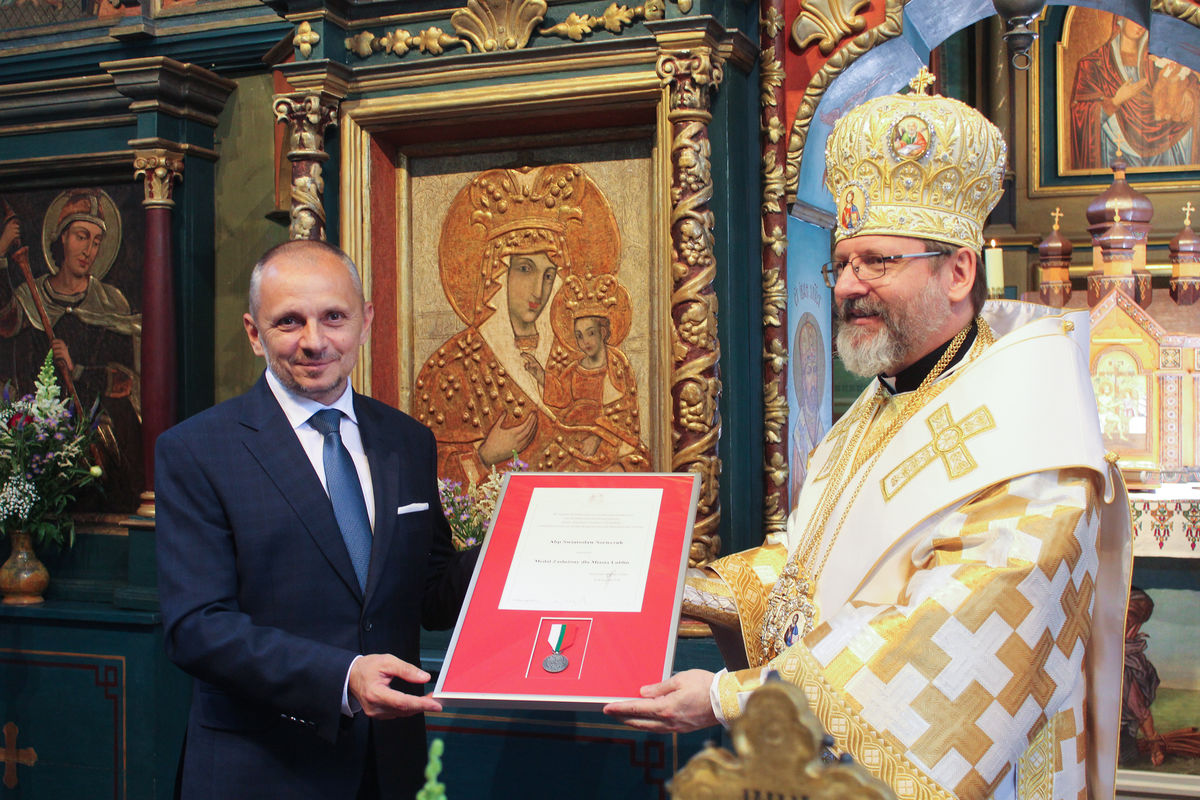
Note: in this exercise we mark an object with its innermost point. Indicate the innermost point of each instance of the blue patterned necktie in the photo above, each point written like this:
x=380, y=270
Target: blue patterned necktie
x=341, y=479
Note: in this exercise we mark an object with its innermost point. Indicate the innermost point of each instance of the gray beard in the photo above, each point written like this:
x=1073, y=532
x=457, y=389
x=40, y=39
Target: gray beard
x=904, y=327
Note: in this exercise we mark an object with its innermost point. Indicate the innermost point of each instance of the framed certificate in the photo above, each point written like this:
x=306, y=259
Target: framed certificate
x=575, y=598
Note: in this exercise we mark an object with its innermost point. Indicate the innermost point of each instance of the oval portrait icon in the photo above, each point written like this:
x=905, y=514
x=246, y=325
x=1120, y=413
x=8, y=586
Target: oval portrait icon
x=910, y=137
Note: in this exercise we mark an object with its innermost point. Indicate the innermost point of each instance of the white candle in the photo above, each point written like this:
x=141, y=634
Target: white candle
x=993, y=264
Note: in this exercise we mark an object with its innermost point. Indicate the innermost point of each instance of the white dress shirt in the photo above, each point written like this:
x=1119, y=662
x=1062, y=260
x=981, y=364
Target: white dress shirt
x=299, y=411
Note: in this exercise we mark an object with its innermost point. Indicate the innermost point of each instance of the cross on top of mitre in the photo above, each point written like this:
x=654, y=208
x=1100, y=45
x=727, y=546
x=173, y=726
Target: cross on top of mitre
x=1187, y=211
x=922, y=82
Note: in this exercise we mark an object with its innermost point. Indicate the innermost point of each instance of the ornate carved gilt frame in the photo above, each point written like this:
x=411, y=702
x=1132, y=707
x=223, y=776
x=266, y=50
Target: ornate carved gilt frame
x=684, y=326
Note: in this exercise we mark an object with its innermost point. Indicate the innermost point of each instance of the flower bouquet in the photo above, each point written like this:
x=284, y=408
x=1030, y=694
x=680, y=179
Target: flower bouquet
x=45, y=459
x=469, y=510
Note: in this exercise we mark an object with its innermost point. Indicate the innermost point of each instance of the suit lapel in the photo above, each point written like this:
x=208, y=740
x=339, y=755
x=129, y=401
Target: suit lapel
x=383, y=457
x=270, y=439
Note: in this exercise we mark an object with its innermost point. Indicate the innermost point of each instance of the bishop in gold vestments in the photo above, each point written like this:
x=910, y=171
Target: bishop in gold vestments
x=950, y=592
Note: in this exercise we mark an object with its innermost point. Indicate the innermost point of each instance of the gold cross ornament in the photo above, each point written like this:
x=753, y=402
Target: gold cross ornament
x=948, y=443
x=922, y=82
x=1057, y=216
x=1187, y=210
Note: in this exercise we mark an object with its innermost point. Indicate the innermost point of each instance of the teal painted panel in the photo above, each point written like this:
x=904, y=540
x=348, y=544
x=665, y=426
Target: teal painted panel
x=90, y=689
x=536, y=755
x=70, y=708
x=65, y=143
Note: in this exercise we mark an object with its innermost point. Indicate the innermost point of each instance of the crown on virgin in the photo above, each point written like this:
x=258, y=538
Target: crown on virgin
x=916, y=165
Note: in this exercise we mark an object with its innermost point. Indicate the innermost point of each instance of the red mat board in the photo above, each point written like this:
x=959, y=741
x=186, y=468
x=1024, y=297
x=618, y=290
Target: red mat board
x=498, y=655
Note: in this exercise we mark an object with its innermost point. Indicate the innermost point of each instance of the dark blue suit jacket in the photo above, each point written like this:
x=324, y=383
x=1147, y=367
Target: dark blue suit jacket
x=261, y=606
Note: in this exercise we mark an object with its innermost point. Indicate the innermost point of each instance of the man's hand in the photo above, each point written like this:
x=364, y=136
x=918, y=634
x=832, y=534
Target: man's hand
x=370, y=677
x=679, y=704
x=502, y=441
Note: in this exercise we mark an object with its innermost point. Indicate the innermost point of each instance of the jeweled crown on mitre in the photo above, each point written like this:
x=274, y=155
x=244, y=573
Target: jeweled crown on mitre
x=917, y=165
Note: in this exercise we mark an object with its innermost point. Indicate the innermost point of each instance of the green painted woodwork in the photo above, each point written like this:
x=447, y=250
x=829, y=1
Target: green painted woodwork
x=91, y=692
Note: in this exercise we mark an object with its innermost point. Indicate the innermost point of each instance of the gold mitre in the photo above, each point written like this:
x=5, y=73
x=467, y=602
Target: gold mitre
x=917, y=165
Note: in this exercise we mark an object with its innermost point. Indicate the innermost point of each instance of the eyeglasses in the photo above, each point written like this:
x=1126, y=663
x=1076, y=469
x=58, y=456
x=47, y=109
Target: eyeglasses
x=869, y=267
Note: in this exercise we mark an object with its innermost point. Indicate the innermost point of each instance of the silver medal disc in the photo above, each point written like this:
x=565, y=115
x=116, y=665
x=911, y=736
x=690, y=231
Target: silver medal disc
x=555, y=662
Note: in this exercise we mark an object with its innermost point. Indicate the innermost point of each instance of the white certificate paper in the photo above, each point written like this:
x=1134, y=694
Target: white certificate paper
x=583, y=549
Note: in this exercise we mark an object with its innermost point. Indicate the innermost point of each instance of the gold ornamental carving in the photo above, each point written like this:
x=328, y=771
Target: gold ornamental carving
x=493, y=26
x=892, y=25
x=433, y=41
x=771, y=22
x=159, y=169
x=498, y=24
x=307, y=115
x=772, y=172
x=828, y=22
x=772, y=78
x=614, y=19
x=1179, y=9
x=691, y=78
x=305, y=38
x=777, y=753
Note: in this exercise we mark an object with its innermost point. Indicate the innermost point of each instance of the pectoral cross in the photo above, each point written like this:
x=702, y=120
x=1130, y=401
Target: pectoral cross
x=11, y=756
x=948, y=443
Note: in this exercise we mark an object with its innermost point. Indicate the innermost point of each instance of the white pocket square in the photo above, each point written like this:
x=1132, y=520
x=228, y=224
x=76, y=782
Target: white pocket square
x=411, y=507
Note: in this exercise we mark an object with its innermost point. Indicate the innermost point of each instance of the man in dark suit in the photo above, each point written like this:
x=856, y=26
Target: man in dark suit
x=298, y=557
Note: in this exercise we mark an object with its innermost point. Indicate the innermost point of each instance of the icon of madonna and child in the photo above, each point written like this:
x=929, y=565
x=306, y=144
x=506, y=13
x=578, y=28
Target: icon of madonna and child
x=528, y=260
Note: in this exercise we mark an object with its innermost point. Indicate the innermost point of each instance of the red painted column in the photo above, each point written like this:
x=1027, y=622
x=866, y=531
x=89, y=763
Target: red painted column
x=159, y=169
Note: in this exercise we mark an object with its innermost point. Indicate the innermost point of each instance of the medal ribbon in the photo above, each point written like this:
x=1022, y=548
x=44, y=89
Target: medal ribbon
x=558, y=632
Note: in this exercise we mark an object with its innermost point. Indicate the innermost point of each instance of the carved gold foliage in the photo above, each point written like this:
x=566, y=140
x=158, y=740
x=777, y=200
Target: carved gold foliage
x=691, y=78
x=498, y=24
x=1180, y=9
x=778, y=754
x=396, y=42
x=308, y=115
x=773, y=129
x=776, y=240
x=776, y=466
x=614, y=20
x=828, y=22
x=770, y=76
x=772, y=23
x=361, y=44
x=435, y=41
x=305, y=38
x=772, y=183
x=774, y=303
x=308, y=211
x=774, y=520
x=889, y=28
x=775, y=357
x=432, y=40
x=159, y=169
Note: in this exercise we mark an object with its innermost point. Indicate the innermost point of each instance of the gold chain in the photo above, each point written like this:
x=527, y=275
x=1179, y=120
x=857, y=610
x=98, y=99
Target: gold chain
x=796, y=587
x=924, y=393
